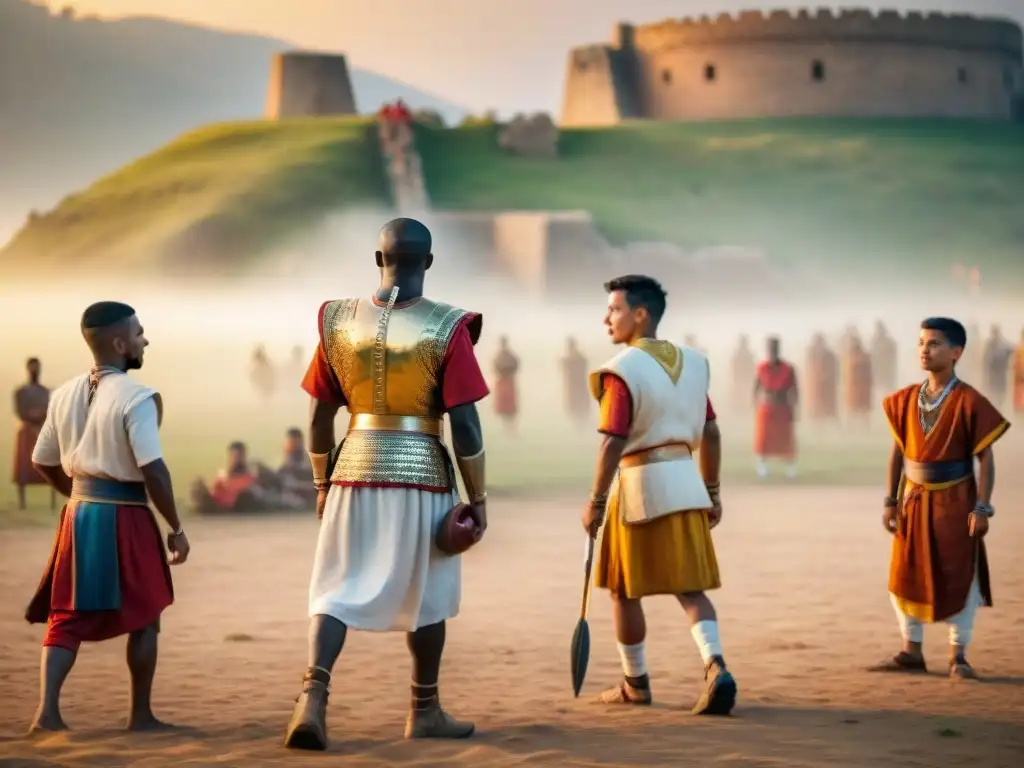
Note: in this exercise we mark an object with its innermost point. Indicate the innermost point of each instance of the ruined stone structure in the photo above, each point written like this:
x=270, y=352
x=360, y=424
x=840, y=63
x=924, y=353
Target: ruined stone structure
x=849, y=64
x=530, y=136
x=309, y=84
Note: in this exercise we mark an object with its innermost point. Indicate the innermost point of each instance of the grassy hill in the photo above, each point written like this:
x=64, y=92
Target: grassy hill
x=855, y=196
x=81, y=96
x=223, y=194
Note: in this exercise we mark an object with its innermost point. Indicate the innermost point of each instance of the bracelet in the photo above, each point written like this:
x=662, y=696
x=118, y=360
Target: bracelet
x=890, y=501
x=984, y=510
x=599, y=500
x=179, y=532
x=321, y=485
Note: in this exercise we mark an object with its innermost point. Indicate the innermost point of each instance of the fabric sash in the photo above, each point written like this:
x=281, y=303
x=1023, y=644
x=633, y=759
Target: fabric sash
x=103, y=490
x=931, y=473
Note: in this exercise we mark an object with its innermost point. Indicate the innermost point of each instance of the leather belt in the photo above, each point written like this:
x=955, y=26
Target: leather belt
x=656, y=455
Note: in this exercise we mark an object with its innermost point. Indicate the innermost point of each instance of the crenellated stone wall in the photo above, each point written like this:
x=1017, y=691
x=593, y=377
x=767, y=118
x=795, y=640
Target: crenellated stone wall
x=853, y=63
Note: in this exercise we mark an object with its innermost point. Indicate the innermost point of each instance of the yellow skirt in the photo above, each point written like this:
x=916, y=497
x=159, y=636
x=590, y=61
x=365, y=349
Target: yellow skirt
x=670, y=555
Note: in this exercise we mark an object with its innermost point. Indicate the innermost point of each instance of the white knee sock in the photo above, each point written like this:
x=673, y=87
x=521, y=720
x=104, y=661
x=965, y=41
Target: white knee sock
x=961, y=626
x=791, y=470
x=705, y=634
x=762, y=467
x=911, y=629
x=634, y=663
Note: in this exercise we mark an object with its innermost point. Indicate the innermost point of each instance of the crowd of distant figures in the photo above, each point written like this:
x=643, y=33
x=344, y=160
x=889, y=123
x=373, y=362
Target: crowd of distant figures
x=844, y=380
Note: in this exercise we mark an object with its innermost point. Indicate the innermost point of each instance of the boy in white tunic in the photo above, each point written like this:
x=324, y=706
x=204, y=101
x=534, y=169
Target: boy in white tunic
x=655, y=412
x=399, y=362
x=107, y=574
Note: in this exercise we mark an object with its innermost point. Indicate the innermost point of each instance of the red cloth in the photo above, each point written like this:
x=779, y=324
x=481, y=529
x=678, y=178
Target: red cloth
x=617, y=407
x=402, y=113
x=23, y=473
x=506, y=399
x=226, y=490
x=320, y=380
x=146, y=587
x=774, y=434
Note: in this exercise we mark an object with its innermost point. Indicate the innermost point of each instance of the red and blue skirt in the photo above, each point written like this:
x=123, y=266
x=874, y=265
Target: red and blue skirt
x=108, y=572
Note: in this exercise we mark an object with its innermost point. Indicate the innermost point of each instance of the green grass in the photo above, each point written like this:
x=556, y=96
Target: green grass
x=847, y=195
x=226, y=192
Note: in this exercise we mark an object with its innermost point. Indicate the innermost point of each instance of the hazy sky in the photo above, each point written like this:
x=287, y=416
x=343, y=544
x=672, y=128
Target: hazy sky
x=506, y=54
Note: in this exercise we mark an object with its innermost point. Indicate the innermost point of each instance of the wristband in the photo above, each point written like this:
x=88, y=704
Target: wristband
x=319, y=462
x=473, y=477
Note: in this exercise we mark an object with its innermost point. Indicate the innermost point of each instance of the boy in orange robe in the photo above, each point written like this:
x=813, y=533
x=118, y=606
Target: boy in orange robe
x=937, y=511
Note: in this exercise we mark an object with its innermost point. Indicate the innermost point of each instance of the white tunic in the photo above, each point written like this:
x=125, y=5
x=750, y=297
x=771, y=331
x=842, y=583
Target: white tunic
x=112, y=438
x=377, y=567
x=666, y=410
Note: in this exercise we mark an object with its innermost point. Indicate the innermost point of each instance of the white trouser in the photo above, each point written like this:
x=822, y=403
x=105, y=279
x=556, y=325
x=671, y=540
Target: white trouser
x=961, y=625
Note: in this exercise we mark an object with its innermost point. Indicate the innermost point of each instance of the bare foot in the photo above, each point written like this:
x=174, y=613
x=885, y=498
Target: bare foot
x=147, y=721
x=47, y=721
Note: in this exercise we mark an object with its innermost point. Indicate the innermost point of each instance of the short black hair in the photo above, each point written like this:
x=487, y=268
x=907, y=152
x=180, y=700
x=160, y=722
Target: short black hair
x=294, y=432
x=32, y=361
x=641, y=291
x=104, y=314
x=952, y=330
x=238, y=445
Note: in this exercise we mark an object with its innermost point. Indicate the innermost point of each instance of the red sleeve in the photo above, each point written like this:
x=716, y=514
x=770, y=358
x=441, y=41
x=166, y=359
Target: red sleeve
x=710, y=415
x=320, y=381
x=462, y=381
x=616, y=407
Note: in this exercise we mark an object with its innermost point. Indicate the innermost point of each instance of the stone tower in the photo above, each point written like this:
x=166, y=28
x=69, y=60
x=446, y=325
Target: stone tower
x=307, y=84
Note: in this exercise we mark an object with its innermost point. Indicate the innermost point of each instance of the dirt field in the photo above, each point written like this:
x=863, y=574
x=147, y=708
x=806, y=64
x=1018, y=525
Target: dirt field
x=803, y=611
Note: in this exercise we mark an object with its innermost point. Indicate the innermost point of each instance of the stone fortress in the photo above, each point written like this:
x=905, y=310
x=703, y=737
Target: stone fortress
x=753, y=65
x=849, y=64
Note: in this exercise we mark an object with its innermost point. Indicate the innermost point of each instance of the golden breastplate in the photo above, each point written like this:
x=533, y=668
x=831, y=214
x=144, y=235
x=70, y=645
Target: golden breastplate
x=389, y=367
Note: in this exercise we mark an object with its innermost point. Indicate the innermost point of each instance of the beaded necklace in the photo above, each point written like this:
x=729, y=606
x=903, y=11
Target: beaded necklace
x=925, y=409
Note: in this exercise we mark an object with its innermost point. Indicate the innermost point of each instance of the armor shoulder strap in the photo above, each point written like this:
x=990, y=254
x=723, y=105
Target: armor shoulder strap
x=336, y=314
x=442, y=320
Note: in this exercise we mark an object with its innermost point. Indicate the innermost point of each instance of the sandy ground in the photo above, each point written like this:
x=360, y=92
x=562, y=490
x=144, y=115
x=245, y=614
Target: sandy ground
x=803, y=611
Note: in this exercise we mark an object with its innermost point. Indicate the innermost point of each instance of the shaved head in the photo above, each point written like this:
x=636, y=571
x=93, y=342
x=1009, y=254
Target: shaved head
x=405, y=243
